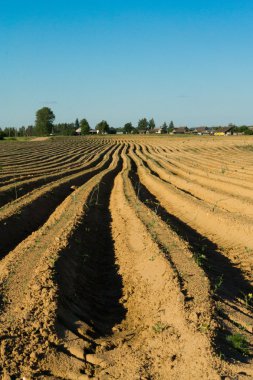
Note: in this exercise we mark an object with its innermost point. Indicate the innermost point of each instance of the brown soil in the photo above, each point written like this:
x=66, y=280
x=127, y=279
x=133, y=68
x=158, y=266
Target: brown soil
x=132, y=261
x=40, y=139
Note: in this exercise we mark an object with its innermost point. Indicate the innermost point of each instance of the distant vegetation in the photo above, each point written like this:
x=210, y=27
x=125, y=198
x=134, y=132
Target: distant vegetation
x=44, y=125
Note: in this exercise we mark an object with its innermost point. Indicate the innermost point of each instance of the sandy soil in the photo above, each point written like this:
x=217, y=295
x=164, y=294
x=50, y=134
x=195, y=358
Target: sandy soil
x=126, y=258
x=41, y=138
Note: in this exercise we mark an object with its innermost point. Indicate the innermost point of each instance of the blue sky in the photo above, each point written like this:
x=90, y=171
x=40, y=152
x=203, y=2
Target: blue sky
x=186, y=61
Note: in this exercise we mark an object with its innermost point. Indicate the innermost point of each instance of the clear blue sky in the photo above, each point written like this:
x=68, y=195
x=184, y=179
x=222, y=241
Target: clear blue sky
x=190, y=61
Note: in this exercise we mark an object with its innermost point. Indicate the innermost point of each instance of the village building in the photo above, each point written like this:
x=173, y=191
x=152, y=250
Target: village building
x=180, y=130
x=91, y=131
x=224, y=131
x=201, y=131
x=156, y=130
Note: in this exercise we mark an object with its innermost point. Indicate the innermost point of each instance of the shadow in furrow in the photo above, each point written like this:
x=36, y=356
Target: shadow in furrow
x=18, y=226
x=227, y=281
x=90, y=287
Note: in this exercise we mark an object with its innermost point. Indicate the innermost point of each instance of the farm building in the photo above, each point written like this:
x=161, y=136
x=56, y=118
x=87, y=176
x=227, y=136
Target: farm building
x=201, y=131
x=156, y=130
x=224, y=131
x=91, y=131
x=180, y=130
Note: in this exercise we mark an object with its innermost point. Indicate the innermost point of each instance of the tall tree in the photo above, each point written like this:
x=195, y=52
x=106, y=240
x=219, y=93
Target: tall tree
x=21, y=131
x=164, y=127
x=44, y=121
x=85, y=127
x=65, y=129
x=151, y=124
x=142, y=124
x=171, y=126
x=128, y=128
x=29, y=130
x=103, y=127
x=112, y=131
x=77, y=125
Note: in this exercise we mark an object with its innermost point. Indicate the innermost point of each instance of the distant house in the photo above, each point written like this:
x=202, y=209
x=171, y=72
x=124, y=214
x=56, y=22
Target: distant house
x=142, y=131
x=93, y=132
x=201, y=131
x=224, y=131
x=156, y=130
x=180, y=130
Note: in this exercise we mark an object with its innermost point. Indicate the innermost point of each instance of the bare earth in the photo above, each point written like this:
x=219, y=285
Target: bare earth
x=126, y=257
x=41, y=138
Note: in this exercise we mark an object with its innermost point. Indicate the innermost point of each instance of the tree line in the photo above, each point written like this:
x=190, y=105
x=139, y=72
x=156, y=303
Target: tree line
x=44, y=125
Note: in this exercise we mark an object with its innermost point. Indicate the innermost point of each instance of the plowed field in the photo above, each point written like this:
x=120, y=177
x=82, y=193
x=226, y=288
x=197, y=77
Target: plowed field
x=126, y=258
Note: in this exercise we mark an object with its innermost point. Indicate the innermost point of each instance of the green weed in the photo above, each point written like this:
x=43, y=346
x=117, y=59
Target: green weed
x=159, y=327
x=248, y=298
x=239, y=343
x=204, y=327
x=218, y=283
x=200, y=259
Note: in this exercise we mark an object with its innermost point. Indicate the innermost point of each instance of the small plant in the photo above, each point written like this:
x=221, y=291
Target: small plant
x=73, y=196
x=218, y=283
x=154, y=235
x=239, y=343
x=247, y=249
x=204, y=327
x=248, y=298
x=152, y=258
x=154, y=205
x=152, y=223
x=199, y=259
x=138, y=188
x=95, y=194
x=221, y=356
x=219, y=306
x=159, y=327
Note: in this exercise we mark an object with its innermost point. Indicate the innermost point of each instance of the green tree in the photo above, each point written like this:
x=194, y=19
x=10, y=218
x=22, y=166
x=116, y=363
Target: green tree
x=77, y=125
x=142, y=124
x=151, y=124
x=248, y=132
x=10, y=132
x=128, y=128
x=171, y=126
x=112, y=131
x=64, y=129
x=29, y=130
x=21, y=131
x=2, y=134
x=44, y=121
x=103, y=127
x=164, y=127
x=85, y=127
